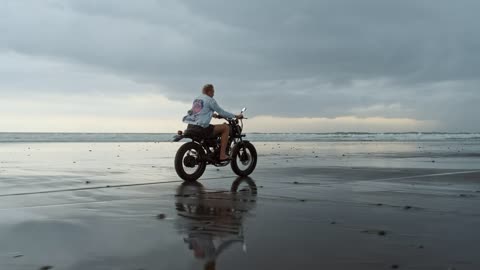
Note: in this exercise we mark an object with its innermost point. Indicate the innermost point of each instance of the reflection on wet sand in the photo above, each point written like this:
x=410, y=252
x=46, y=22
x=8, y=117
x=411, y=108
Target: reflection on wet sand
x=212, y=221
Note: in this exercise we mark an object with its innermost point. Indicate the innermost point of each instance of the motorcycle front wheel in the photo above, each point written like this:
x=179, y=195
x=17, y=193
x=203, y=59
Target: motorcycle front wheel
x=190, y=161
x=244, y=159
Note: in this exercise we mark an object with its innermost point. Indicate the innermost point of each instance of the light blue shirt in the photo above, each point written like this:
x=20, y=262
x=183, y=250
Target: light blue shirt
x=202, y=111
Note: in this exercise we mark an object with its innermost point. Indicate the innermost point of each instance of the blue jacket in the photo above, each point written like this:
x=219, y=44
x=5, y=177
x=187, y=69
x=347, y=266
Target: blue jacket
x=202, y=111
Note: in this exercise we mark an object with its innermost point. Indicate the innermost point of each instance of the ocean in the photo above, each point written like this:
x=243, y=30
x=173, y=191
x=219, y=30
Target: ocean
x=22, y=137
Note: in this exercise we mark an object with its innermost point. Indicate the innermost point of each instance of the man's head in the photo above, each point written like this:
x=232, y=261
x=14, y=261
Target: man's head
x=208, y=90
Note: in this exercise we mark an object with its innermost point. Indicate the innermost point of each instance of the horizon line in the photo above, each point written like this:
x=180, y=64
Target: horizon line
x=334, y=132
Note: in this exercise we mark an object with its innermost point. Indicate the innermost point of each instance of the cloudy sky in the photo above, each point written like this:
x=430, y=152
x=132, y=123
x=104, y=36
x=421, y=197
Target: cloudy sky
x=306, y=65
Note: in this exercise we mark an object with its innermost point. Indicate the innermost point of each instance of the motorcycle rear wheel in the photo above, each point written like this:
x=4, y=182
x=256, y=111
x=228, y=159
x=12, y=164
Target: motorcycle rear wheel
x=190, y=162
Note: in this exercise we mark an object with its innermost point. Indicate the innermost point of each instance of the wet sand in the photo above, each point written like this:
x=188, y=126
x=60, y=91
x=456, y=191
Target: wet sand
x=307, y=206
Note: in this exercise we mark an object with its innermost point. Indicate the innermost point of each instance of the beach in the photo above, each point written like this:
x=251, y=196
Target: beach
x=308, y=205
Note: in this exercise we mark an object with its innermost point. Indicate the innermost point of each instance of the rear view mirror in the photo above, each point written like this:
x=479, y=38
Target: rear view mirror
x=244, y=109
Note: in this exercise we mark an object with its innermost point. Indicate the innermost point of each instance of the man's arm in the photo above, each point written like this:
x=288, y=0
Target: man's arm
x=220, y=111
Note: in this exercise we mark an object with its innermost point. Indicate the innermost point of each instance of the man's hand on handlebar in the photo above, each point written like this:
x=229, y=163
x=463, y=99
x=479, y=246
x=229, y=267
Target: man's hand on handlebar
x=239, y=116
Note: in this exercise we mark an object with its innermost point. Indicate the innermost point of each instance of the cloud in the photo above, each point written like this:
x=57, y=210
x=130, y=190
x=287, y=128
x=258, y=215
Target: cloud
x=339, y=124
x=316, y=59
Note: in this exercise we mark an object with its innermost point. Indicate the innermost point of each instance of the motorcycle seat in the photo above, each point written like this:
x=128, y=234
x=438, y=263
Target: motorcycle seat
x=197, y=135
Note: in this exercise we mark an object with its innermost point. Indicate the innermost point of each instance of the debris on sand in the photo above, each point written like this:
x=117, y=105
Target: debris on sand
x=295, y=182
x=379, y=204
x=18, y=256
x=420, y=246
x=395, y=266
x=333, y=222
x=46, y=267
x=87, y=182
x=407, y=207
x=378, y=232
x=161, y=216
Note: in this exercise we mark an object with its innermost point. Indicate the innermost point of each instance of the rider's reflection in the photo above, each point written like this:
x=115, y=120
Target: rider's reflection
x=212, y=220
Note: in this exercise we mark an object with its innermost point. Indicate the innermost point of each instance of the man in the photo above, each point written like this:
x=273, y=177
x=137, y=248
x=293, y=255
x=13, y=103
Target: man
x=199, y=117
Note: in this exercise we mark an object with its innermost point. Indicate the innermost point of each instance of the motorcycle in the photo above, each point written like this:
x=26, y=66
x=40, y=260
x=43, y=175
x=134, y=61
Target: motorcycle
x=193, y=157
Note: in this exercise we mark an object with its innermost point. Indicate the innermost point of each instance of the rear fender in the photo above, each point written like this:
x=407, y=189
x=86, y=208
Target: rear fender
x=178, y=138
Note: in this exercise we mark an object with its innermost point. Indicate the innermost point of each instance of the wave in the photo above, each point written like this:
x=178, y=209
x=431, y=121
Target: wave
x=11, y=137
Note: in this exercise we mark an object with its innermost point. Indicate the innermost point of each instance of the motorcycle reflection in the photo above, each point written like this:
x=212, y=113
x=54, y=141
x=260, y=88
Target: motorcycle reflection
x=212, y=221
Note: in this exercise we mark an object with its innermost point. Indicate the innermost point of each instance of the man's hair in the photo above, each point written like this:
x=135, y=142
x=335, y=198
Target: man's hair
x=207, y=87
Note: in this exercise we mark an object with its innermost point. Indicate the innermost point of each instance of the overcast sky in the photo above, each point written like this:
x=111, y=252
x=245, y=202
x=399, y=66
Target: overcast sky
x=306, y=65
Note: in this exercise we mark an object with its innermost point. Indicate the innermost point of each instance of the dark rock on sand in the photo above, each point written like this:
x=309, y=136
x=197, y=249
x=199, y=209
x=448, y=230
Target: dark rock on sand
x=378, y=232
x=407, y=207
x=46, y=267
x=161, y=216
x=395, y=266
